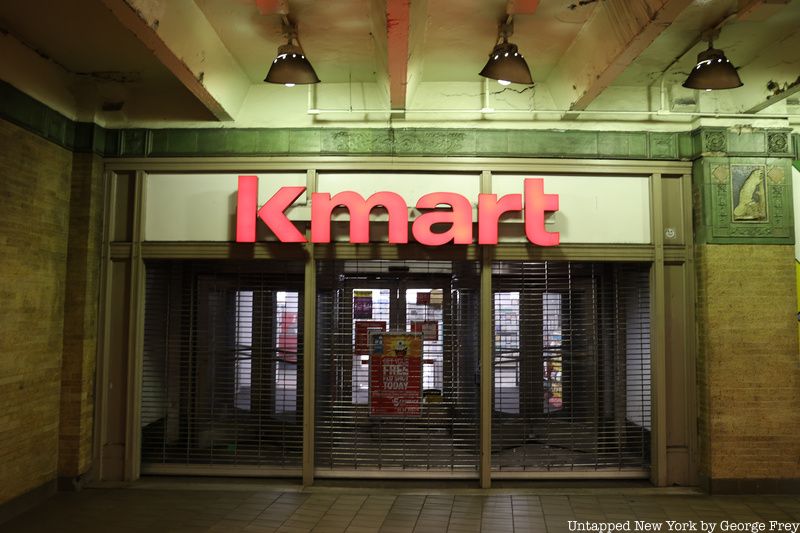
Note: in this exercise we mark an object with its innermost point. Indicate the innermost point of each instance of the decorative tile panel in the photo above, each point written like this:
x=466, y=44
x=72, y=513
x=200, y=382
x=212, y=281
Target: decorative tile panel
x=744, y=200
x=778, y=142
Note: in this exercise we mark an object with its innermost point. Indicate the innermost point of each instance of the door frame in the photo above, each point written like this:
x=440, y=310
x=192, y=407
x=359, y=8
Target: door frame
x=117, y=454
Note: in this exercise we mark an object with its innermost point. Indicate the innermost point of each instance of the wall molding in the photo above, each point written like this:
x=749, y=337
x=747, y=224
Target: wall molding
x=25, y=111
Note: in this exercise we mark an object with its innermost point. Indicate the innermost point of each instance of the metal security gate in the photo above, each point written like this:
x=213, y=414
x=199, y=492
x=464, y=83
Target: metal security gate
x=571, y=367
x=440, y=301
x=222, y=364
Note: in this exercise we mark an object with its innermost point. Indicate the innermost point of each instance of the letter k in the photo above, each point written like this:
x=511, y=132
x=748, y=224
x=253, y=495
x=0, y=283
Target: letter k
x=274, y=216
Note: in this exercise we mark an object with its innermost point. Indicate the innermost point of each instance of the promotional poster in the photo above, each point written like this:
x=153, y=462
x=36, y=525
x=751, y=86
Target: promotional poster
x=395, y=374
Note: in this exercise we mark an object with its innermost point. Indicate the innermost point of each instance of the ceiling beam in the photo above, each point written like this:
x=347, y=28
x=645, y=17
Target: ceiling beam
x=758, y=10
x=617, y=32
x=521, y=7
x=271, y=7
x=378, y=33
x=416, y=47
x=398, y=18
x=181, y=38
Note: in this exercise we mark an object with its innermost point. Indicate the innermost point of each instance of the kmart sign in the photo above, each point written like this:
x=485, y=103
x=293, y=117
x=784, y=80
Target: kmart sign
x=447, y=212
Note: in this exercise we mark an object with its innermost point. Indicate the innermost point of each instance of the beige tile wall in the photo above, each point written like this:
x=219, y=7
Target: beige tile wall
x=34, y=218
x=748, y=362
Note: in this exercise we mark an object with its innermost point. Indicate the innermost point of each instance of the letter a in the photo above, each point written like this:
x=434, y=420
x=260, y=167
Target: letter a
x=459, y=218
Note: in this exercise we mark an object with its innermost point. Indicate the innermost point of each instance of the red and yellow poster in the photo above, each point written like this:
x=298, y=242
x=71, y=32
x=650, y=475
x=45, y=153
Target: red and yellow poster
x=395, y=373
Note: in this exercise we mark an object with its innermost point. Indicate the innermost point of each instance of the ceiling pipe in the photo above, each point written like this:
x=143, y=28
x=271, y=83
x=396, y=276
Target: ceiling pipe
x=558, y=112
x=487, y=104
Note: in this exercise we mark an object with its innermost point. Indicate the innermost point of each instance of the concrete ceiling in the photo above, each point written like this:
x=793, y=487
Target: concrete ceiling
x=203, y=61
x=97, y=59
x=336, y=36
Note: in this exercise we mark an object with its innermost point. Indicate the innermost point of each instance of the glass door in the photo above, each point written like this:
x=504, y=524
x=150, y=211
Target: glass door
x=571, y=367
x=430, y=299
x=222, y=365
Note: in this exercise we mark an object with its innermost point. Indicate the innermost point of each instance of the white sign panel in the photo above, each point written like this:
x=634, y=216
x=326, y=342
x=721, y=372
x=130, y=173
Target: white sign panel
x=202, y=207
x=592, y=209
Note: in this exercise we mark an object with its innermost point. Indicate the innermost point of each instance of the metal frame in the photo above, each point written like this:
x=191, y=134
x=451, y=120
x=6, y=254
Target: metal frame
x=486, y=337
x=431, y=164
x=690, y=337
x=222, y=470
x=309, y=353
x=103, y=336
x=138, y=250
x=658, y=434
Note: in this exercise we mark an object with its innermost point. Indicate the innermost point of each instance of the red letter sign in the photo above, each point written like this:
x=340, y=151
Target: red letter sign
x=489, y=211
x=272, y=212
x=246, y=204
x=322, y=206
x=536, y=203
x=460, y=218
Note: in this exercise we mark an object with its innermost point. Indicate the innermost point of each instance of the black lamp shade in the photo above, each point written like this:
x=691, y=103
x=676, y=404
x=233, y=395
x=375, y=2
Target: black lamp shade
x=507, y=64
x=713, y=71
x=290, y=67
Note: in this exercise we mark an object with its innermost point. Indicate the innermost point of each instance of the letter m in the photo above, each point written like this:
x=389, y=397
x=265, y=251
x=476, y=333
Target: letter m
x=322, y=206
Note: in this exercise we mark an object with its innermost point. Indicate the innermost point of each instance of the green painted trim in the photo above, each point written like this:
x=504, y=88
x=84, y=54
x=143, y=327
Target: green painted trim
x=27, y=112
x=796, y=145
x=400, y=142
x=440, y=142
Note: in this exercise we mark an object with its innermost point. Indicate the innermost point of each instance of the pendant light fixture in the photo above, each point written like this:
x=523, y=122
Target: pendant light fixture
x=290, y=66
x=506, y=64
x=713, y=71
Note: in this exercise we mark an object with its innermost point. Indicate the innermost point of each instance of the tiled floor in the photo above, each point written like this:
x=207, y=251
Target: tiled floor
x=198, y=507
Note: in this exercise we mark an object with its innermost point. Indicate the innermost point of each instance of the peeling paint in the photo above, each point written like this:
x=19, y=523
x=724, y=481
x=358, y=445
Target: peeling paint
x=518, y=91
x=116, y=76
x=112, y=75
x=775, y=88
x=581, y=3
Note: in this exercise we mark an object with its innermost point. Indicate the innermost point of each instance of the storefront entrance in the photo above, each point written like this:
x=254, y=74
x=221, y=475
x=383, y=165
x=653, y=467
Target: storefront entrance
x=222, y=365
x=571, y=372
x=260, y=358
x=439, y=300
x=571, y=367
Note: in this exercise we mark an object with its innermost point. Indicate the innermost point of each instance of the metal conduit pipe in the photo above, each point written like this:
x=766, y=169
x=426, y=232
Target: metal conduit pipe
x=664, y=113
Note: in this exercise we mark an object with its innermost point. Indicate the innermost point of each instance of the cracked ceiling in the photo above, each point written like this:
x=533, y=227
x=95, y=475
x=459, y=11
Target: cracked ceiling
x=201, y=62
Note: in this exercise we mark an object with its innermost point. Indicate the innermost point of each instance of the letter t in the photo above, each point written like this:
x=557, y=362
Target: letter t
x=536, y=204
